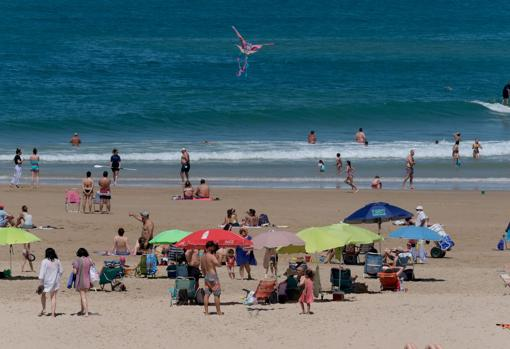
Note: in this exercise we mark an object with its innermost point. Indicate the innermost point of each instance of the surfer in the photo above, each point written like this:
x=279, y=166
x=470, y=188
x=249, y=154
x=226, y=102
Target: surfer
x=409, y=170
x=506, y=92
x=476, y=149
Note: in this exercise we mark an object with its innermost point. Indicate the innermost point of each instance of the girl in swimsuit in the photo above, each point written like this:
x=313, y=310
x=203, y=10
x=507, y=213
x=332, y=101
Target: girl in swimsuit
x=476, y=149
x=456, y=154
x=34, y=163
x=350, y=177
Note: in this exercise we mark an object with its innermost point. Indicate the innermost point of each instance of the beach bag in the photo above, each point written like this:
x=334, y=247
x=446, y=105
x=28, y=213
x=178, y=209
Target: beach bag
x=70, y=280
x=182, y=297
x=501, y=245
x=199, y=297
x=94, y=276
x=250, y=299
x=263, y=220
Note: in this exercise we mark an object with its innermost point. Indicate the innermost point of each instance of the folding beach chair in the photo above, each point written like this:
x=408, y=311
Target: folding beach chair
x=506, y=278
x=373, y=264
x=110, y=275
x=341, y=280
x=183, y=286
x=389, y=280
x=405, y=260
x=72, y=200
x=266, y=291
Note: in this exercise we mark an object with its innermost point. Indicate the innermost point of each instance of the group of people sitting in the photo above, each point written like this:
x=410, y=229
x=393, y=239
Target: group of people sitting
x=24, y=219
x=250, y=220
x=201, y=192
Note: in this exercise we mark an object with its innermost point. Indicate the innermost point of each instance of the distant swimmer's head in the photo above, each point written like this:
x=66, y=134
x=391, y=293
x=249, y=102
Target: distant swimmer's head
x=105, y=173
x=202, y=181
x=312, y=132
x=18, y=151
x=360, y=129
x=437, y=142
x=337, y=155
x=114, y=151
x=366, y=142
x=89, y=174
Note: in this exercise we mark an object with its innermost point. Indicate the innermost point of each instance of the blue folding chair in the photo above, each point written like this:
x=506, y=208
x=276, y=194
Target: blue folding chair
x=373, y=264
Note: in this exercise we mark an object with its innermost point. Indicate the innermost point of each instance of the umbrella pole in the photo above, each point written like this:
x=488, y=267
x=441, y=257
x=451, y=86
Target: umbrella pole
x=10, y=258
x=379, y=232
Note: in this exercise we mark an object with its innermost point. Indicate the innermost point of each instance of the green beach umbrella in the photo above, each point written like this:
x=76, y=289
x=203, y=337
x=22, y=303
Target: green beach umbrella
x=336, y=235
x=169, y=237
x=15, y=236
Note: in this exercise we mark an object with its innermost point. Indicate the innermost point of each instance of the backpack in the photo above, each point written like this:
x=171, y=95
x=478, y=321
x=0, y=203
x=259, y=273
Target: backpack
x=199, y=297
x=501, y=245
x=182, y=297
x=263, y=220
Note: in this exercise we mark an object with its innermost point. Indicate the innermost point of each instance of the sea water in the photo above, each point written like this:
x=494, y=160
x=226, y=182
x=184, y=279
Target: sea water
x=151, y=77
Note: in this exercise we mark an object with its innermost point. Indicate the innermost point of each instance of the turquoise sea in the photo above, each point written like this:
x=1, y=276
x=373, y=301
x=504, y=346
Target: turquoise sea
x=151, y=77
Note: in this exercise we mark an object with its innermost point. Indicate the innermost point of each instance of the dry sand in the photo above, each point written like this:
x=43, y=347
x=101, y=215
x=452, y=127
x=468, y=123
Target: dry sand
x=457, y=303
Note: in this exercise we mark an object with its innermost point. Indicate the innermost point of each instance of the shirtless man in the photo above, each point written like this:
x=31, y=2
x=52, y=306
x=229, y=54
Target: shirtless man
x=208, y=264
x=360, y=136
x=409, y=170
x=339, y=164
x=185, y=165
x=104, y=192
x=476, y=149
x=75, y=140
x=193, y=261
x=87, y=187
x=312, y=137
x=147, y=225
x=120, y=244
x=202, y=191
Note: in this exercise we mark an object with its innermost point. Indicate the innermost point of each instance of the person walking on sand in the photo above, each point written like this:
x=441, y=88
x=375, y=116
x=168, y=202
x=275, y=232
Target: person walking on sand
x=27, y=257
x=476, y=149
x=350, y=177
x=105, y=194
x=49, y=275
x=307, y=293
x=18, y=161
x=115, y=165
x=208, y=264
x=87, y=188
x=82, y=283
x=339, y=164
x=360, y=136
x=409, y=170
x=185, y=165
x=34, y=168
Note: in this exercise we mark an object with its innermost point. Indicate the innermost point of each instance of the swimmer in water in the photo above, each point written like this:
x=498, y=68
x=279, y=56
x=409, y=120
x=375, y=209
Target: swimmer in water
x=476, y=149
x=376, y=183
x=312, y=137
x=360, y=137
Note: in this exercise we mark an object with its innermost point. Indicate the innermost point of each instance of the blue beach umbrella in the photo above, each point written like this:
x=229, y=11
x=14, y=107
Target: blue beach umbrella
x=416, y=233
x=377, y=212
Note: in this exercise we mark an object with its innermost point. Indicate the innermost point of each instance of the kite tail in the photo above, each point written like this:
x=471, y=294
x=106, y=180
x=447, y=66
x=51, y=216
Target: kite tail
x=243, y=69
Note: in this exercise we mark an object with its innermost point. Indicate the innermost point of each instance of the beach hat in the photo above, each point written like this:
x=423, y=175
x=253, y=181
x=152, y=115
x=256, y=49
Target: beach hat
x=144, y=213
x=419, y=208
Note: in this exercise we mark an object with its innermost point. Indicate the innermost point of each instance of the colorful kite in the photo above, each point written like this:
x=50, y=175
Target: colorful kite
x=246, y=49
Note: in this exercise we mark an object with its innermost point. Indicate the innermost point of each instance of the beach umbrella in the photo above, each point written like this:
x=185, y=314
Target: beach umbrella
x=15, y=236
x=276, y=238
x=292, y=249
x=416, y=233
x=377, y=212
x=336, y=235
x=223, y=238
x=169, y=237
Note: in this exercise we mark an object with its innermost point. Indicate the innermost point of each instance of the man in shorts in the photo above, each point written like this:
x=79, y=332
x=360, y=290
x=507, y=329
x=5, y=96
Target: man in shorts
x=208, y=264
x=409, y=170
x=104, y=193
x=115, y=164
x=185, y=165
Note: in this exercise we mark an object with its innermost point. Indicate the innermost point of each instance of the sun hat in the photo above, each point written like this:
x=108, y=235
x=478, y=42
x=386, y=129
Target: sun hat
x=144, y=213
x=419, y=208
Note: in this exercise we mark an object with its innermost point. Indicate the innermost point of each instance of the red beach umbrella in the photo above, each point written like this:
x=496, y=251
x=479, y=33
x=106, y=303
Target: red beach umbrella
x=223, y=238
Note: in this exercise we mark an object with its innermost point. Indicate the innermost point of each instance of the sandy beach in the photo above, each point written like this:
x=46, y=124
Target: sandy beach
x=456, y=301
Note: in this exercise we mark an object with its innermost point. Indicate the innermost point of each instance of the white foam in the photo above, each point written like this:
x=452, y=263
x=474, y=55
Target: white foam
x=497, y=107
x=277, y=151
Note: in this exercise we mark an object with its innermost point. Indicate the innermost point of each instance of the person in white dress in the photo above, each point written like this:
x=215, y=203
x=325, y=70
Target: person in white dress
x=49, y=275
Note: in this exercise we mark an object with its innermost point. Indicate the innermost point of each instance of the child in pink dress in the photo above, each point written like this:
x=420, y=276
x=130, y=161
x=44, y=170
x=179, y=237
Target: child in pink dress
x=307, y=294
x=231, y=263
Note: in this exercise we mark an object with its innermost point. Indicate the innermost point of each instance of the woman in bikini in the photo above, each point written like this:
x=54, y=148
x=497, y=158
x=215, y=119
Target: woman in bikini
x=187, y=191
x=34, y=168
x=88, y=191
x=350, y=177
x=476, y=149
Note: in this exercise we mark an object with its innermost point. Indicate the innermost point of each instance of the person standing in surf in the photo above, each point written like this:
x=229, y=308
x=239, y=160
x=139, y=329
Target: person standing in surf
x=115, y=164
x=339, y=164
x=312, y=137
x=409, y=170
x=350, y=177
x=18, y=161
x=506, y=93
x=456, y=153
x=361, y=137
x=185, y=165
x=476, y=149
